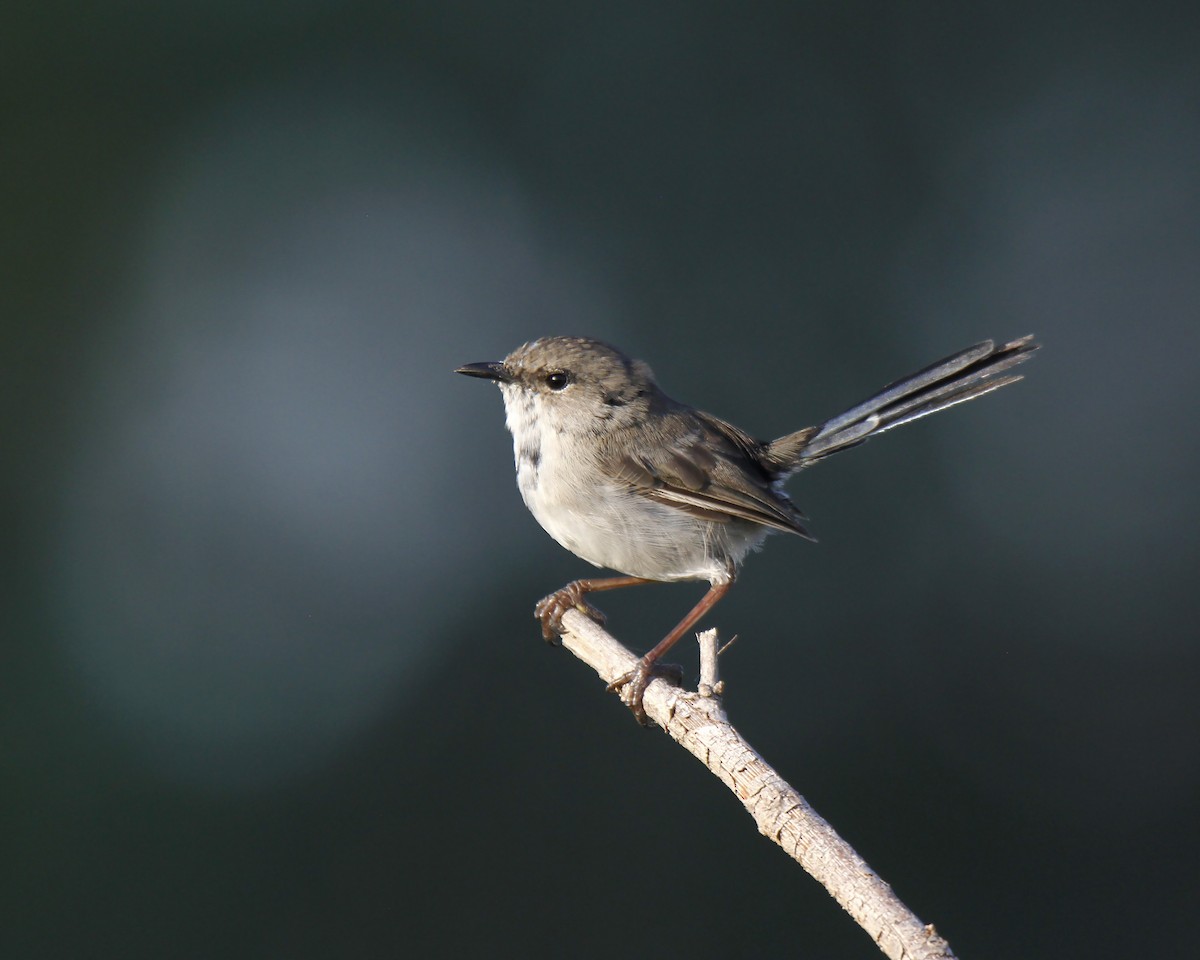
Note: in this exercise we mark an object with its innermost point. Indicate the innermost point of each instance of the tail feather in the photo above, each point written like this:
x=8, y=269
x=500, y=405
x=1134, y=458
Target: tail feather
x=963, y=376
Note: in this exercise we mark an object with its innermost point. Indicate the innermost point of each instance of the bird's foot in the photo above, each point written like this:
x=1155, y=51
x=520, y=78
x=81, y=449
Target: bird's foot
x=631, y=687
x=550, y=610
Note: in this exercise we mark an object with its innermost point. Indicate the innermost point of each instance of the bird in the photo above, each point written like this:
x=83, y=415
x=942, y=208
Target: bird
x=633, y=481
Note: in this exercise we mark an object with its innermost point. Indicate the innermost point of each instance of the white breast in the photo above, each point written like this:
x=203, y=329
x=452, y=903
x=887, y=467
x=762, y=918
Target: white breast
x=606, y=523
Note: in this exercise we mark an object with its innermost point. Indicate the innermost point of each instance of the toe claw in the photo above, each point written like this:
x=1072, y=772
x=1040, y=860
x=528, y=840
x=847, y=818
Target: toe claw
x=550, y=610
x=631, y=687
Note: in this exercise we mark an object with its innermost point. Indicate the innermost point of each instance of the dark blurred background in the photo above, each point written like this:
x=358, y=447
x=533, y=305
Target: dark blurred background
x=271, y=684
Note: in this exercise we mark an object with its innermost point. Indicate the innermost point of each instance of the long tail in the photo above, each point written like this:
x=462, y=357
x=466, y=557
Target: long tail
x=956, y=379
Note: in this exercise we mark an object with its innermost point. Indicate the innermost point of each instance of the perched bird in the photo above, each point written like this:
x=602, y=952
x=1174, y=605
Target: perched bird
x=629, y=479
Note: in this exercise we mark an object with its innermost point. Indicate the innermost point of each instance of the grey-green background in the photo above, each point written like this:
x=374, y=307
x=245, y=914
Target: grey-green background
x=270, y=682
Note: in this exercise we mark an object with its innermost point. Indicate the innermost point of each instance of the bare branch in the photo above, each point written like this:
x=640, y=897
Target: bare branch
x=699, y=724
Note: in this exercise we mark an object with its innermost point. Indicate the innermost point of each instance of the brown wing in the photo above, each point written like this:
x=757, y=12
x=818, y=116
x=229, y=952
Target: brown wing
x=706, y=467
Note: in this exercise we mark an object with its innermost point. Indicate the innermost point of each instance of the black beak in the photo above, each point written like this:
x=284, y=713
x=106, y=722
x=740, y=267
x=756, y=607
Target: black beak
x=488, y=371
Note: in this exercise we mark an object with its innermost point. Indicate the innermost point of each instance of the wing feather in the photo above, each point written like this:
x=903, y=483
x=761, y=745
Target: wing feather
x=709, y=469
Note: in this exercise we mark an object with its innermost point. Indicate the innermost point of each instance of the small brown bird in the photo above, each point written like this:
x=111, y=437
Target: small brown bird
x=629, y=479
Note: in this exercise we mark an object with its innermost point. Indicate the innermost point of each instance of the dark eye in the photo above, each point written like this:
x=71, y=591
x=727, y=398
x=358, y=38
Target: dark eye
x=557, y=381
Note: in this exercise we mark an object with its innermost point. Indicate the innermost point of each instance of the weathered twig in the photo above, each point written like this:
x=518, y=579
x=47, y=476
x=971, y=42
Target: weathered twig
x=698, y=723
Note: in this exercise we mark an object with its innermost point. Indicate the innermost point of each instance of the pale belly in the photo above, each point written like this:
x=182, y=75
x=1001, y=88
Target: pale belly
x=610, y=525
x=624, y=531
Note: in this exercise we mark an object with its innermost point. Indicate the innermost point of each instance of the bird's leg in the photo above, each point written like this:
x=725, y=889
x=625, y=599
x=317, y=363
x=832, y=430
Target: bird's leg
x=632, y=686
x=550, y=609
